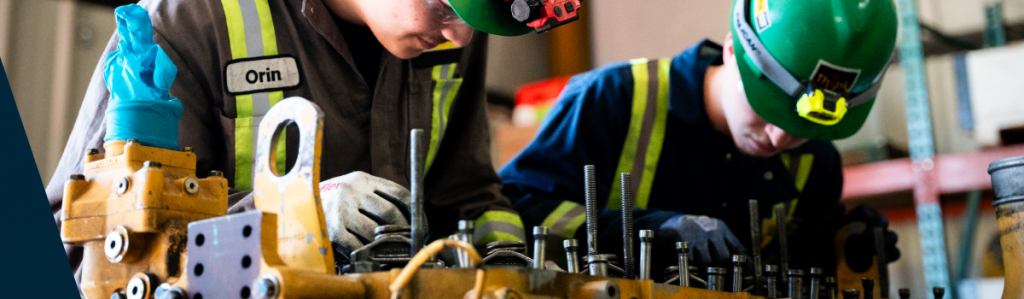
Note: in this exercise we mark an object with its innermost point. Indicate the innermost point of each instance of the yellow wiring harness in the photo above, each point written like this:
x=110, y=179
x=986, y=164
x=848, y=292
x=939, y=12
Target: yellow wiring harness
x=421, y=257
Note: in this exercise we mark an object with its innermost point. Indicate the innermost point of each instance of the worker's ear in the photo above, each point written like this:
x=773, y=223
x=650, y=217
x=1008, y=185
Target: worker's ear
x=728, y=50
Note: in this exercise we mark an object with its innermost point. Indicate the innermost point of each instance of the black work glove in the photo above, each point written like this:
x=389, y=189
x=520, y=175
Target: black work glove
x=710, y=240
x=861, y=247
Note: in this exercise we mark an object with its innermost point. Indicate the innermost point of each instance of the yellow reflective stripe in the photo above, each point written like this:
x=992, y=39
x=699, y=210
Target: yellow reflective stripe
x=446, y=86
x=498, y=226
x=806, y=160
x=639, y=70
x=236, y=28
x=245, y=121
x=565, y=219
x=657, y=137
x=642, y=148
x=243, y=153
x=267, y=30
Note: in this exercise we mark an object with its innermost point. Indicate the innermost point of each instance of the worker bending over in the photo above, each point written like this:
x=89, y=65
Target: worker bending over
x=376, y=69
x=704, y=132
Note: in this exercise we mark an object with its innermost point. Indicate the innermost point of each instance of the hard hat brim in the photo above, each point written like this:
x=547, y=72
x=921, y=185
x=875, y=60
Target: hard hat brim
x=490, y=16
x=777, y=108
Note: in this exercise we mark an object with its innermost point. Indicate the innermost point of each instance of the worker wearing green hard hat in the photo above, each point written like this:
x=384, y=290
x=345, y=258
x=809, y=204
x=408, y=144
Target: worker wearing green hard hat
x=706, y=131
x=813, y=75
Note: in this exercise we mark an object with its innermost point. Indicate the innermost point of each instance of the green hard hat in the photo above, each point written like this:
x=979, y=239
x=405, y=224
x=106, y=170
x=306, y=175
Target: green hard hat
x=490, y=16
x=841, y=45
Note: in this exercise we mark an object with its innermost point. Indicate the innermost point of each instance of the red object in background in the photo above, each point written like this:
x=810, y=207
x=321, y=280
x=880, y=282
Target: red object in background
x=542, y=92
x=542, y=15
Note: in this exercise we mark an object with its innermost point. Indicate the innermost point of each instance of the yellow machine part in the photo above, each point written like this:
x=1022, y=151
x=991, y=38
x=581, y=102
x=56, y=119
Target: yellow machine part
x=1010, y=219
x=141, y=211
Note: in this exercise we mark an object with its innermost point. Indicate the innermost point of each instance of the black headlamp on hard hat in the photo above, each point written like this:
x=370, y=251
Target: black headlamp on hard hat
x=814, y=102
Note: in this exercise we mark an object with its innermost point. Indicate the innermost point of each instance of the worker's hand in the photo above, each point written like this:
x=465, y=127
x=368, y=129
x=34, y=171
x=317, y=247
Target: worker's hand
x=139, y=75
x=860, y=249
x=711, y=242
x=356, y=203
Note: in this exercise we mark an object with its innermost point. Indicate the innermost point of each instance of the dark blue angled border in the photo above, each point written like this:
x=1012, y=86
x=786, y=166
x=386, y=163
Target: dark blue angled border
x=32, y=259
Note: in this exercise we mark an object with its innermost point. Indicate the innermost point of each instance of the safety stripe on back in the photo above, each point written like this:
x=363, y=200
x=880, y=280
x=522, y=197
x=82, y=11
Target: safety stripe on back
x=646, y=135
x=565, y=219
x=446, y=86
x=251, y=34
x=498, y=226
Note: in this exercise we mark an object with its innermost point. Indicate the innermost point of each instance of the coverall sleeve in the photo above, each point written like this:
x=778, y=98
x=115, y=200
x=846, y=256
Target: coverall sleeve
x=461, y=183
x=586, y=126
x=818, y=214
x=199, y=127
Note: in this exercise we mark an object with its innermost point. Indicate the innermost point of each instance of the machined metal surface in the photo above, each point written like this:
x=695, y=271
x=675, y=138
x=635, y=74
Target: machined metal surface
x=540, y=235
x=868, y=287
x=466, y=228
x=716, y=279
x=683, y=252
x=598, y=265
x=770, y=272
x=781, y=233
x=646, y=241
x=571, y=255
x=755, y=239
x=590, y=185
x=628, y=202
x=830, y=288
x=737, y=272
x=815, y=282
x=883, y=264
x=417, y=162
x=796, y=283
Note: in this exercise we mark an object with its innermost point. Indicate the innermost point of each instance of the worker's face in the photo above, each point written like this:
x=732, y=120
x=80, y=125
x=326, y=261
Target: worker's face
x=408, y=27
x=751, y=133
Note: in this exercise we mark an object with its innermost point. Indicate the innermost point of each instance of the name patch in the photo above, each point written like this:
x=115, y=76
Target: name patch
x=252, y=75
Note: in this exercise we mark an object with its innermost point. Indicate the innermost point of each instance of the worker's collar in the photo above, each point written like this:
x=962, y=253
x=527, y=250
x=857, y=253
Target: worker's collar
x=686, y=101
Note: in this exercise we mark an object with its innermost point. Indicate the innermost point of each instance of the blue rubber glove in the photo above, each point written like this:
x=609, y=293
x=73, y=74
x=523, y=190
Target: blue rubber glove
x=138, y=75
x=711, y=242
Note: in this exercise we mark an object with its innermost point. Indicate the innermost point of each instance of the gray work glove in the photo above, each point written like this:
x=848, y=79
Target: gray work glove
x=711, y=242
x=356, y=203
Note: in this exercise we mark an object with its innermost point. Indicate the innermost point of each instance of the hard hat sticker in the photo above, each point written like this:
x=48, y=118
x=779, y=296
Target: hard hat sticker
x=761, y=20
x=833, y=77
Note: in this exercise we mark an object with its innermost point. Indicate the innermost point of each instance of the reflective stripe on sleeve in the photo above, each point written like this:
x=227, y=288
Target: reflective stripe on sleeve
x=565, y=219
x=646, y=135
x=251, y=34
x=446, y=86
x=498, y=226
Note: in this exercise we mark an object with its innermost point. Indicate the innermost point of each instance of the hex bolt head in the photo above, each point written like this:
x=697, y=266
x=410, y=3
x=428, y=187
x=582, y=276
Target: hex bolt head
x=815, y=271
x=683, y=247
x=738, y=259
x=570, y=245
x=216, y=173
x=646, y=235
x=266, y=287
x=93, y=151
x=540, y=231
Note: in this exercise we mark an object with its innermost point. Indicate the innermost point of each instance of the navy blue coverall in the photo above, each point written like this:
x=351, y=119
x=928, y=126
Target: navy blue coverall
x=699, y=170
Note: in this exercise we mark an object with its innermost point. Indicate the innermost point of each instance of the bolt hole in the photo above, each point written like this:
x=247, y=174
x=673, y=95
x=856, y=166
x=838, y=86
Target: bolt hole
x=246, y=261
x=198, y=270
x=197, y=296
x=200, y=239
x=135, y=290
x=113, y=244
x=612, y=291
x=246, y=231
x=245, y=292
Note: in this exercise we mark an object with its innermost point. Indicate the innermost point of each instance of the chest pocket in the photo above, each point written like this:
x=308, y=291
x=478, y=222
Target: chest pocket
x=251, y=34
x=446, y=86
